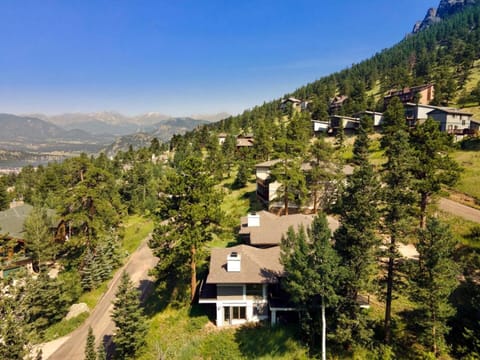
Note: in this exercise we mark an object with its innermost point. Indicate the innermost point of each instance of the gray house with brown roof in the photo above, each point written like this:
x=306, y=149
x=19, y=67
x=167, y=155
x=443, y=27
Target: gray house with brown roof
x=243, y=280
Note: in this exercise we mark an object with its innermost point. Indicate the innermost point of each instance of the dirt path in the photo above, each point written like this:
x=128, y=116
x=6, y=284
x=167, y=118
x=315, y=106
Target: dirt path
x=73, y=346
x=460, y=210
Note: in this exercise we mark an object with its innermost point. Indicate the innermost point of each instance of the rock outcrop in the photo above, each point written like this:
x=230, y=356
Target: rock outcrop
x=445, y=9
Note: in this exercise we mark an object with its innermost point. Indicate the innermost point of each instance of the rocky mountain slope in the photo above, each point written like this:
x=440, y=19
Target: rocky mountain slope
x=445, y=9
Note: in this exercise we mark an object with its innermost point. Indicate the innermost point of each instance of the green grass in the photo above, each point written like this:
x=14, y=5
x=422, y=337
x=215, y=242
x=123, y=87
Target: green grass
x=192, y=336
x=64, y=327
x=460, y=228
x=470, y=162
x=136, y=228
x=92, y=297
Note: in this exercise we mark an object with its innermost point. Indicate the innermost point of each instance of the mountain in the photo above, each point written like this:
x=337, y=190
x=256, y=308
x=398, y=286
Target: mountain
x=163, y=131
x=445, y=9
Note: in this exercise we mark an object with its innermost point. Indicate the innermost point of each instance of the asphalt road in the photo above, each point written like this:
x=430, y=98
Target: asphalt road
x=460, y=210
x=138, y=265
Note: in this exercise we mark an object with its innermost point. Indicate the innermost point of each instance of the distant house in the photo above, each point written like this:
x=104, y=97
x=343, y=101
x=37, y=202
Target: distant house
x=296, y=104
x=13, y=254
x=245, y=141
x=320, y=126
x=337, y=103
x=416, y=114
x=267, y=188
x=376, y=117
x=452, y=121
x=243, y=280
x=348, y=123
x=422, y=94
x=221, y=138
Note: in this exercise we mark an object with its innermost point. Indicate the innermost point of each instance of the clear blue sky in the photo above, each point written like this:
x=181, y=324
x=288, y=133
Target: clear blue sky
x=183, y=56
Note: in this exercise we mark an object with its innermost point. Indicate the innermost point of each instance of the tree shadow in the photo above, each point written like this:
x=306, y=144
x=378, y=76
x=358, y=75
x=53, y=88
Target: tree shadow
x=257, y=340
x=109, y=346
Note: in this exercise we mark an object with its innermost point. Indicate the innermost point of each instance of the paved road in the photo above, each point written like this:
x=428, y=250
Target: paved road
x=140, y=262
x=458, y=209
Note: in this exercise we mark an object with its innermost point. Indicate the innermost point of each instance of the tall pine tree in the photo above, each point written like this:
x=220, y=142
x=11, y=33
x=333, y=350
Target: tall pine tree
x=129, y=320
x=398, y=193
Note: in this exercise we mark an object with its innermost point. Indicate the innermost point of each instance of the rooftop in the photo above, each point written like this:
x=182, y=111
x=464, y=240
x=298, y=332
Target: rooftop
x=273, y=227
x=12, y=220
x=257, y=265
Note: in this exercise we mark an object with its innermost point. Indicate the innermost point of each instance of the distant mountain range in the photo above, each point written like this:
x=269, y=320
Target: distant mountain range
x=91, y=133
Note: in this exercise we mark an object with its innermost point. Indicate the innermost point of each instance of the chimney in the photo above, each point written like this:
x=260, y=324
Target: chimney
x=253, y=220
x=233, y=262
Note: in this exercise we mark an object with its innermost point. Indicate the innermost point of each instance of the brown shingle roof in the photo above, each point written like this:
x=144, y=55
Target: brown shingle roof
x=273, y=227
x=258, y=266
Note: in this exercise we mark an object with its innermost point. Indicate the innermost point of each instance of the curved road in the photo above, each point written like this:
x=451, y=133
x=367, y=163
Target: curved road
x=460, y=210
x=138, y=265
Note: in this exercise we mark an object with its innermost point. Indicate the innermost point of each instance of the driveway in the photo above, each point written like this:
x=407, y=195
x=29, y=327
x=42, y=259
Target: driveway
x=460, y=210
x=72, y=347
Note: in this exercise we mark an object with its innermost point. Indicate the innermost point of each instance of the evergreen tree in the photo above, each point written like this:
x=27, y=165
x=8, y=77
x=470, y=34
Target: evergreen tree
x=4, y=200
x=311, y=267
x=243, y=174
x=356, y=240
x=101, y=354
x=434, y=280
x=129, y=320
x=39, y=239
x=322, y=175
x=433, y=166
x=340, y=137
x=398, y=193
x=193, y=212
x=90, y=353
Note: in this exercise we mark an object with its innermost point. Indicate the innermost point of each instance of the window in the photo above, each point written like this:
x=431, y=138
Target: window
x=255, y=290
x=234, y=313
x=463, y=122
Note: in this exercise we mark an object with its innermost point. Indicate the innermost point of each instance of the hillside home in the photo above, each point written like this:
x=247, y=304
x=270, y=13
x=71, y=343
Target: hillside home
x=453, y=121
x=245, y=141
x=349, y=124
x=243, y=280
x=320, y=126
x=266, y=189
x=221, y=138
x=296, y=104
x=337, y=103
x=13, y=253
x=376, y=117
x=422, y=94
x=416, y=114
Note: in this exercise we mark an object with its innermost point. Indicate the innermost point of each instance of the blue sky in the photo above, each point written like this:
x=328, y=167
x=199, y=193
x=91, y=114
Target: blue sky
x=180, y=57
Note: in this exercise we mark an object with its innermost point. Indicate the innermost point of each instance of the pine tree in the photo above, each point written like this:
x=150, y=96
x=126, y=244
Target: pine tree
x=129, y=320
x=101, y=354
x=194, y=213
x=90, y=353
x=398, y=193
x=356, y=240
x=311, y=267
x=39, y=240
x=4, y=200
x=434, y=281
x=433, y=166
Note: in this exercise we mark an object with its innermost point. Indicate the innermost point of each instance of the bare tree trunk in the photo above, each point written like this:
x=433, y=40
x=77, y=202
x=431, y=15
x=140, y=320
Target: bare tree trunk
x=388, y=300
x=324, y=332
x=423, y=210
x=434, y=334
x=193, y=273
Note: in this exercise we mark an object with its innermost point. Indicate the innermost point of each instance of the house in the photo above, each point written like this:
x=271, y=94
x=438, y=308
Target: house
x=238, y=283
x=264, y=229
x=13, y=253
x=336, y=103
x=296, y=104
x=245, y=141
x=320, y=126
x=452, y=121
x=221, y=138
x=348, y=123
x=416, y=114
x=243, y=280
x=266, y=189
x=422, y=94
x=376, y=117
